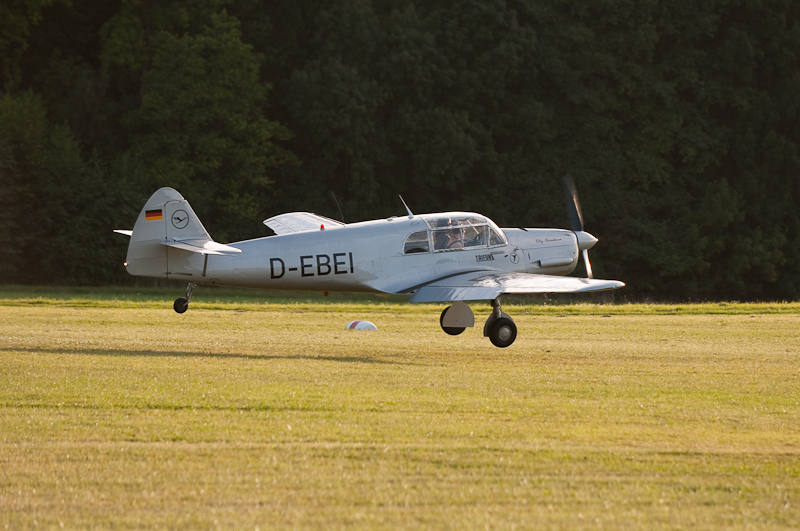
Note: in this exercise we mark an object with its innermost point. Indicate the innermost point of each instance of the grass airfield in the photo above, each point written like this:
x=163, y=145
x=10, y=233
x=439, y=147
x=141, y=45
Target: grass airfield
x=116, y=412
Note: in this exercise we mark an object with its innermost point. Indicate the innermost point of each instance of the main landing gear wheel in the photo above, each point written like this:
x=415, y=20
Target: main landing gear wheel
x=499, y=327
x=181, y=304
x=452, y=330
x=503, y=332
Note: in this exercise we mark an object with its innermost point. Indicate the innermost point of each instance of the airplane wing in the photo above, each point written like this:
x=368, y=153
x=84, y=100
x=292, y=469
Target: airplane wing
x=202, y=246
x=487, y=285
x=299, y=222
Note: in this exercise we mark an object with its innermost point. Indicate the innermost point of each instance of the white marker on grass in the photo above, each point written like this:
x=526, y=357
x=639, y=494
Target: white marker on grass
x=360, y=325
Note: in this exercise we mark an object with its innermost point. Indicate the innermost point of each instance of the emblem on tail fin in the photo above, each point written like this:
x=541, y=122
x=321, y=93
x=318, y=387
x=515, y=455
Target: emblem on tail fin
x=180, y=219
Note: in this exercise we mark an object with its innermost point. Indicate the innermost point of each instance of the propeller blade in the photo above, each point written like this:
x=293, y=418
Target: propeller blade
x=588, y=265
x=585, y=240
x=573, y=205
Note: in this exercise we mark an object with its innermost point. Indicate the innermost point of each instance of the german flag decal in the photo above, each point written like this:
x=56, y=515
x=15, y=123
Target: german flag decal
x=153, y=215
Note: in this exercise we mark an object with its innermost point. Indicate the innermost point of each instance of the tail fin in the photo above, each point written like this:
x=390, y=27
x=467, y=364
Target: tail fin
x=167, y=222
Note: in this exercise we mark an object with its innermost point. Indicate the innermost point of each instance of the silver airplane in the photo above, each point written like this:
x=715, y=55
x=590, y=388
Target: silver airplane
x=447, y=257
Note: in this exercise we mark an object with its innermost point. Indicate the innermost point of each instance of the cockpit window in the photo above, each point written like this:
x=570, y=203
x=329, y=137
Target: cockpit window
x=458, y=230
x=455, y=220
x=417, y=243
x=495, y=237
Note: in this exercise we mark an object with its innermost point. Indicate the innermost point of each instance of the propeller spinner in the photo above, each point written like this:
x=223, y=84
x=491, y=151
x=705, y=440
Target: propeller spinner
x=585, y=240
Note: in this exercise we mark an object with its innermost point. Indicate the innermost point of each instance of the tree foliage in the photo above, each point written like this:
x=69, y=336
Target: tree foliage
x=55, y=205
x=199, y=122
x=678, y=120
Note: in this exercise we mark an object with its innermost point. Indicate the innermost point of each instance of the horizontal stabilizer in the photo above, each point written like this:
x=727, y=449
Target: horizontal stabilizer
x=202, y=246
x=484, y=285
x=125, y=232
x=299, y=222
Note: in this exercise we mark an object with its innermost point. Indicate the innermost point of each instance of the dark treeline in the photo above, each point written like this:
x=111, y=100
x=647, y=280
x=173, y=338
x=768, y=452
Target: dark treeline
x=678, y=120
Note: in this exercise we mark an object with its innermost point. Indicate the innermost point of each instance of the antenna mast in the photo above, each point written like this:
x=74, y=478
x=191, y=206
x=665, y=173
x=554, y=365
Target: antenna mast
x=410, y=215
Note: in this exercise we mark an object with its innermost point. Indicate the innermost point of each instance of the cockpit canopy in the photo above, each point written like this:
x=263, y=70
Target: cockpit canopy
x=455, y=231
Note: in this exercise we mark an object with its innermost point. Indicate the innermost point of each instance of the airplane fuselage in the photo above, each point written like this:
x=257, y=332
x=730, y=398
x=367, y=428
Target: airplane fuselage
x=371, y=257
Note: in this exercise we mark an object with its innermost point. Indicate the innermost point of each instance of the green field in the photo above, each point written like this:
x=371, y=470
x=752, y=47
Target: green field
x=117, y=413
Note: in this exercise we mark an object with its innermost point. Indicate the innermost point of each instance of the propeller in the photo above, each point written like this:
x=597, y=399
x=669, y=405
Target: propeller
x=585, y=240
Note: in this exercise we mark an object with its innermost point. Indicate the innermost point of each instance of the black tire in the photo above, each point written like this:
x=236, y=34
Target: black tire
x=503, y=332
x=181, y=305
x=452, y=330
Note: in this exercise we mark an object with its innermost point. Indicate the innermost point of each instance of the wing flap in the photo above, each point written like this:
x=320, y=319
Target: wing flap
x=202, y=246
x=299, y=222
x=484, y=285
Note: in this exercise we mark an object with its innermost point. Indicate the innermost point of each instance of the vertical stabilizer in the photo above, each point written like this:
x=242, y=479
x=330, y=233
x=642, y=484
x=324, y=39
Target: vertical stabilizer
x=165, y=216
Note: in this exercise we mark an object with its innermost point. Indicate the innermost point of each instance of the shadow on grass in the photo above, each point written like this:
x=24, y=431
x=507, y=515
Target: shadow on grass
x=174, y=354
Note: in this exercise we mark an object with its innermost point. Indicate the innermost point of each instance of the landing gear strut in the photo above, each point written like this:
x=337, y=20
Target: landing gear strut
x=499, y=327
x=181, y=304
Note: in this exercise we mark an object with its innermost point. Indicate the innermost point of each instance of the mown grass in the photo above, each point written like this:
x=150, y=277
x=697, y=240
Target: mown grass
x=115, y=412
x=216, y=298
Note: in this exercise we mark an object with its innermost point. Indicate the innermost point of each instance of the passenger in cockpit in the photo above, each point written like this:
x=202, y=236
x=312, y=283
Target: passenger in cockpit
x=454, y=239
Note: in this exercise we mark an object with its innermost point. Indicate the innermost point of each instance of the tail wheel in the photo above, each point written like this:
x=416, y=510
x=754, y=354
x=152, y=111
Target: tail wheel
x=503, y=332
x=181, y=305
x=452, y=330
